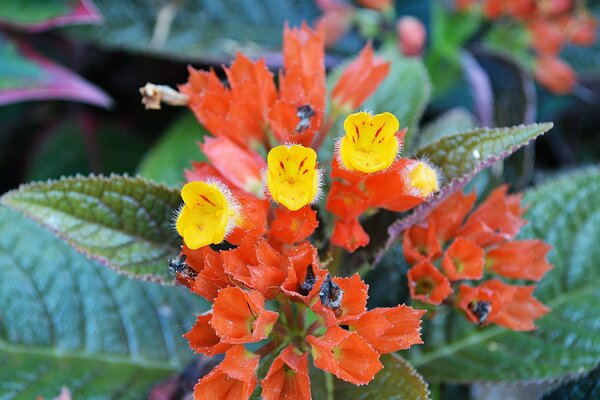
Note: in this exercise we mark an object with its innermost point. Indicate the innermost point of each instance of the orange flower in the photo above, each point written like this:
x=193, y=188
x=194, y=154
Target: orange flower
x=240, y=316
x=449, y=216
x=211, y=276
x=520, y=259
x=379, y=5
x=345, y=302
x=359, y=80
x=233, y=379
x=581, y=29
x=203, y=339
x=346, y=201
x=349, y=234
x=463, y=260
x=335, y=22
x=428, y=284
x=244, y=173
x=497, y=219
x=346, y=355
x=293, y=226
x=389, y=329
x=481, y=305
x=420, y=243
x=304, y=274
x=554, y=74
x=287, y=378
x=521, y=309
x=546, y=36
x=412, y=36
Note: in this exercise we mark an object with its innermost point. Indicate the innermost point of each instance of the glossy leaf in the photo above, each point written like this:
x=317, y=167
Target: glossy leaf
x=26, y=75
x=397, y=380
x=405, y=92
x=174, y=152
x=41, y=15
x=67, y=321
x=460, y=154
x=123, y=222
x=211, y=31
x=566, y=214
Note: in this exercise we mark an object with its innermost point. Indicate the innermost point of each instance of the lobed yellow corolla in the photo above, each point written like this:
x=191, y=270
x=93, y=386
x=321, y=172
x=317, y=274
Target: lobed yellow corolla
x=370, y=143
x=292, y=176
x=208, y=214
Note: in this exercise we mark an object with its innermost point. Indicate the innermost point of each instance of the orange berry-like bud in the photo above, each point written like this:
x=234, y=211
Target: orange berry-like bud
x=411, y=36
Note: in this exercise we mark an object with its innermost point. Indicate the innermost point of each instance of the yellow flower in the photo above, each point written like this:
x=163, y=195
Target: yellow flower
x=292, y=176
x=208, y=215
x=424, y=179
x=370, y=143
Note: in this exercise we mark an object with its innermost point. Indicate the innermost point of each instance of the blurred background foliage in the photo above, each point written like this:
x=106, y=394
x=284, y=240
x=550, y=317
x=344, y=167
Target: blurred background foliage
x=69, y=103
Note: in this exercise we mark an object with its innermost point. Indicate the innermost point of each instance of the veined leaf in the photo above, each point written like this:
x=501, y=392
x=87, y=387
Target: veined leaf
x=581, y=388
x=68, y=321
x=460, y=154
x=175, y=151
x=566, y=214
x=123, y=222
x=397, y=380
x=452, y=122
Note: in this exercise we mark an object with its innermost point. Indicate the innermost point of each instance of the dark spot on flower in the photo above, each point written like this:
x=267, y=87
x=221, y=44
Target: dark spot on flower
x=305, y=287
x=178, y=265
x=330, y=294
x=424, y=286
x=223, y=246
x=305, y=113
x=481, y=310
x=346, y=327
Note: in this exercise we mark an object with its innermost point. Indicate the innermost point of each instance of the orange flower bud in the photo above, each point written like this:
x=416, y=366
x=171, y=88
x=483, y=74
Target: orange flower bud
x=379, y=5
x=411, y=36
x=546, y=36
x=349, y=234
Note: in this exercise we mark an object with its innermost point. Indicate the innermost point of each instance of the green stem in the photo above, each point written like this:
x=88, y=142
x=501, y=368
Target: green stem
x=329, y=385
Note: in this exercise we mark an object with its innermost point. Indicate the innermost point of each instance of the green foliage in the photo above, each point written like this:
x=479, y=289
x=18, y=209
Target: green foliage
x=175, y=151
x=397, y=380
x=405, y=92
x=448, y=124
x=461, y=153
x=208, y=30
x=582, y=388
x=17, y=71
x=68, y=321
x=123, y=222
x=566, y=214
x=110, y=152
x=33, y=11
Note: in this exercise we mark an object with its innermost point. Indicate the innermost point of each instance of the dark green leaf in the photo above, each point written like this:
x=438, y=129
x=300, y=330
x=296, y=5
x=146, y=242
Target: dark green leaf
x=460, y=154
x=123, y=222
x=397, y=380
x=207, y=30
x=566, y=214
x=174, y=152
x=33, y=11
x=68, y=321
x=581, y=388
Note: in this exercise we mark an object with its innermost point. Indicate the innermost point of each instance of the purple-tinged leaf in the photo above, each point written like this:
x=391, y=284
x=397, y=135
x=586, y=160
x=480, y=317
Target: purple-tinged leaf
x=26, y=75
x=42, y=15
x=481, y=89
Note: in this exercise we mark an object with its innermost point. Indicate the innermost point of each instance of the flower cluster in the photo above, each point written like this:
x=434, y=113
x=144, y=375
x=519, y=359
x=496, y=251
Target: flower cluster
x=550, y=25
x=247, y=216
x=453, y=245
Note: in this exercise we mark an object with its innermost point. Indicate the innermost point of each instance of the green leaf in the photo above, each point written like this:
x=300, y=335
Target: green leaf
x=123, y=222
x=565, y=213
x=405, y=92
x=460, y=154
x=33, y=11
x=450, y=123
x=68, y=321
x=212, y=31
x=175, y=151
x=397, y=380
